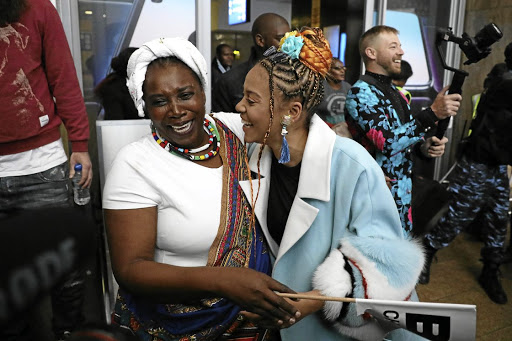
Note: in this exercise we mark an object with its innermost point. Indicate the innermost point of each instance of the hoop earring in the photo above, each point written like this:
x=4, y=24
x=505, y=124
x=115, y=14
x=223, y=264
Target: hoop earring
x=285, y=150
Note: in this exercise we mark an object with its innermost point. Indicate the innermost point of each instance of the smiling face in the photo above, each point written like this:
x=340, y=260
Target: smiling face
x=175, y=102
x=388, y=54
x=337, y=71
x=255, y=108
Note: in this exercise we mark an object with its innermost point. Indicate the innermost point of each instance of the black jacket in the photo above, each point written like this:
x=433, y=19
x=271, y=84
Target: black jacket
x=116, y=99
x=229, y=89
x=216, y=73
x=491, y=140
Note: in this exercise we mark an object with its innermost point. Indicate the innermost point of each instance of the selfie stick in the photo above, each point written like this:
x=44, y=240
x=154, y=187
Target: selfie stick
x=455, y=88
x=474, y=48
x=458, y=79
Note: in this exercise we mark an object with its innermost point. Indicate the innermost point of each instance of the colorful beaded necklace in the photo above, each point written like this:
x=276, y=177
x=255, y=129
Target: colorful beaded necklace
x=187, y=153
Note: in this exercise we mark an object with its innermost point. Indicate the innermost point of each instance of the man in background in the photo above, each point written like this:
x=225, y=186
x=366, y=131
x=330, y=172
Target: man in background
x=380, y=118
x=267, y=30
x=401, y=79
x=222, y=62
x=332, y=107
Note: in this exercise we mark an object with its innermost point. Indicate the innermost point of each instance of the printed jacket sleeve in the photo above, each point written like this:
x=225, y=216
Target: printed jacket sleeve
x=62, y=80
x=379, y=122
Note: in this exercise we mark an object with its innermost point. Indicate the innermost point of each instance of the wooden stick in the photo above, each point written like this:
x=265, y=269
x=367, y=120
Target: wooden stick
x=317, y=297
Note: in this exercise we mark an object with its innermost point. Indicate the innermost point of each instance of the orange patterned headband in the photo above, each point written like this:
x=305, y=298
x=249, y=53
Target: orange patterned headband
x=310, y=47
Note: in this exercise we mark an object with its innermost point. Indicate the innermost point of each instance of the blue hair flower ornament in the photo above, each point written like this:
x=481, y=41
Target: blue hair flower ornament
x=291, y=44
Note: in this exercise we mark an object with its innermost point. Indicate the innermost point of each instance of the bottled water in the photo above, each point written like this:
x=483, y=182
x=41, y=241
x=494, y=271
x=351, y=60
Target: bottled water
x=80, y=195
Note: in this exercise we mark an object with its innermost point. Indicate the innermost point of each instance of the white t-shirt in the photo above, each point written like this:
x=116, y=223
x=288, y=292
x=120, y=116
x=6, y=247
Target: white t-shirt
x=34, y=160
x=188, y=197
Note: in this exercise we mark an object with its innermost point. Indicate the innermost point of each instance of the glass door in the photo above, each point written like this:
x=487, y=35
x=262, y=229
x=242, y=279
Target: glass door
x=108, y=26
x=104, y=26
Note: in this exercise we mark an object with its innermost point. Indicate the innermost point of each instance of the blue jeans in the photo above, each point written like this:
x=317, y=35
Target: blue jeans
x=50, y=188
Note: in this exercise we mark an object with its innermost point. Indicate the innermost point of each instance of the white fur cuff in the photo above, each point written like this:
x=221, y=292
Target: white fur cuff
x=331, y=279
x=390, y=267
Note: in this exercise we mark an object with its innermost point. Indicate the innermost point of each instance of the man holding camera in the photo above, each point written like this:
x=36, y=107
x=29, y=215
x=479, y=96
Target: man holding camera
x=480, y=183
x=380, y=118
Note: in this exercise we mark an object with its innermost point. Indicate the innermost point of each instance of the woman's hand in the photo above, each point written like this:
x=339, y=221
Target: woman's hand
x=304, y=306
x=254, y=292
x=132, y=235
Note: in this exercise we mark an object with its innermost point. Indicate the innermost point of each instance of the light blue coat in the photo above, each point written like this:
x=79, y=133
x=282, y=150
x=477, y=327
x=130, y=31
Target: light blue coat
x=341, y=196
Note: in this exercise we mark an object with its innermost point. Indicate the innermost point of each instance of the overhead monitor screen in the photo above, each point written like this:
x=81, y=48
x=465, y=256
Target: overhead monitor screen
x=238, y=11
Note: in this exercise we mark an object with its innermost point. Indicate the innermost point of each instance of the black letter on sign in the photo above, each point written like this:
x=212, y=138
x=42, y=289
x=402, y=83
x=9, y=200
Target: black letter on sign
x=432, y=327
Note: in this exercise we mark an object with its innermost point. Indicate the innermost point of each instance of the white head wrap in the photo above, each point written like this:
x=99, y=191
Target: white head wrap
x=157, y=48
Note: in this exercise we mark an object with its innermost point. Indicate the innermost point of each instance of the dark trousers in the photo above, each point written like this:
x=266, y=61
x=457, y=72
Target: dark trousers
x=50, y=188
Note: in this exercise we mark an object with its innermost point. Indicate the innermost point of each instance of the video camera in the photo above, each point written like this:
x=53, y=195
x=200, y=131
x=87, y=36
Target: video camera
x=475, y=49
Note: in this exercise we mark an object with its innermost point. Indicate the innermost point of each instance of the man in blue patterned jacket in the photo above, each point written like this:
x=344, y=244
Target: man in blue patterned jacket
x=381, y=120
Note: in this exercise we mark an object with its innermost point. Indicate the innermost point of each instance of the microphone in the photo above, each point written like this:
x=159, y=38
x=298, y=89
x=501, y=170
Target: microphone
x=38, y=248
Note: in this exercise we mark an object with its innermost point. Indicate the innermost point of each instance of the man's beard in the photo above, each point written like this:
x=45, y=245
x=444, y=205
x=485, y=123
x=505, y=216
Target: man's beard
x=392, y=72
x=394, y=75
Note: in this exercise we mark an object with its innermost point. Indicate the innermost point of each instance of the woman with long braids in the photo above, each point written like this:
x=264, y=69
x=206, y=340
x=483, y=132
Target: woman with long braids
x=322, y=200
x=186, y=249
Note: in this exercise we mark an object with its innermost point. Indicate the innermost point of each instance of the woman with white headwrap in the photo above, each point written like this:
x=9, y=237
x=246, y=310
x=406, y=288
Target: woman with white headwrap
x=186, y=248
